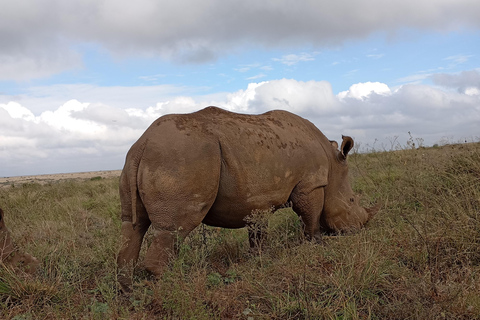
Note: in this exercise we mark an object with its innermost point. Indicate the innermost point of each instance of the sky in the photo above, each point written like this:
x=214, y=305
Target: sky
x=81, y=80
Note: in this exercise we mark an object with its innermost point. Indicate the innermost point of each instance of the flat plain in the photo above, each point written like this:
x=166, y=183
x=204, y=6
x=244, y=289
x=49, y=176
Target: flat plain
x=419, y=258
x=49, y=178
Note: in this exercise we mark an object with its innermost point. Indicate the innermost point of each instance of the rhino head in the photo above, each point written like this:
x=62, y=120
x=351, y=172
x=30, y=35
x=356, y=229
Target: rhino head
x=10, y=255
x=342, y=211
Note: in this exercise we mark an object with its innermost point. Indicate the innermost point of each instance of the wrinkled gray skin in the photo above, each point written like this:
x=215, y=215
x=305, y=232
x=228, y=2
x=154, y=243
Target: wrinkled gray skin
x=215, y=167
x=10, y=255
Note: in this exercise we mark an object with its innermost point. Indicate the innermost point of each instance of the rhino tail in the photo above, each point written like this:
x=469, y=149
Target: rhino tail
x=133, y=180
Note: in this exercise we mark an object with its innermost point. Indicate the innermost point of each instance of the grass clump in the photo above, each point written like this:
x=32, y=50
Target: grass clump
x=419, y=258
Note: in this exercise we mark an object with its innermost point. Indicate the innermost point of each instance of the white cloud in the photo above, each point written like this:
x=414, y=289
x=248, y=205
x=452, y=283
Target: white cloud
x=241, y=100
x=79, y=135
x=41, y=98
x=293, y=59
x=17, y=111
x=258, y=76
x=458, y=59
x=23, y=66
x=463, y=81
x=472, y=91
x=351, y=73
x=361, y=91
x=429, y=113
x=247, y=67
x=63, y=119
x=44, y=37
x=152, y=78
x=414, y=79
x=177, y=105
x=311, y=97
x=376, y=56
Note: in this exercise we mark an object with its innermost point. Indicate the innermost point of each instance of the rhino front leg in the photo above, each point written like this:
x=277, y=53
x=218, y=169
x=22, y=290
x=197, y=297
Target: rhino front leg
x=309, y=206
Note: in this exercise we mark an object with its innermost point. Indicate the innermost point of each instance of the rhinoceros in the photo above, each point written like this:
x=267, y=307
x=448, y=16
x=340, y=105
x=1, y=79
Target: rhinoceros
x=214, y=167
x=10, y=255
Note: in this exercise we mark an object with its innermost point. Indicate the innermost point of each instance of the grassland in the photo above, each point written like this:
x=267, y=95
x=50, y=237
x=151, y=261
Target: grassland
x=418, y=259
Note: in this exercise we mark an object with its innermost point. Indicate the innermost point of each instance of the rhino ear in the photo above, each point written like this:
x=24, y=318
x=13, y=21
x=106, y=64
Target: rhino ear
x=334, y=144
x=347, y=145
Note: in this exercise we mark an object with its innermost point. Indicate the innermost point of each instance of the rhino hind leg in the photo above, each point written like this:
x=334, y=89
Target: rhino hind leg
x=175, y=194
x=132, y=235
x=160, y=251
x=178, y=213
x=166, y=238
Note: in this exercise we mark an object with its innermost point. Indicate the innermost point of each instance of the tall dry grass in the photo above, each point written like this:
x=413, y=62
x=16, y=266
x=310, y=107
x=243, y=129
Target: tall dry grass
x=418, y=259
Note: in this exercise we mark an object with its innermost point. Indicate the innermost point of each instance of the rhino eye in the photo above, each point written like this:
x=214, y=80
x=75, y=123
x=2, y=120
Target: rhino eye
x=352, y=200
